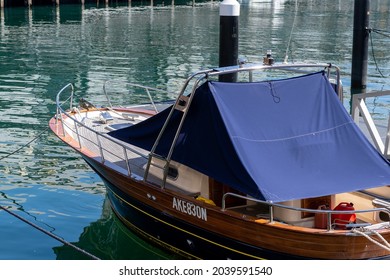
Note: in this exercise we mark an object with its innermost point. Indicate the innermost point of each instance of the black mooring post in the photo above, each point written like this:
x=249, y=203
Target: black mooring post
x=361, y=34
x=229, y=12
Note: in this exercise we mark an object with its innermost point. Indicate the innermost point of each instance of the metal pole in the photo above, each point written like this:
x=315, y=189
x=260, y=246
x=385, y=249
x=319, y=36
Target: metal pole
x=360, y=45
x=229, y=12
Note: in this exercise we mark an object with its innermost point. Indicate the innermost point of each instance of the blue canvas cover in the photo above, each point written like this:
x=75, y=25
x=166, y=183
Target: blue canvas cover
x=275, y=140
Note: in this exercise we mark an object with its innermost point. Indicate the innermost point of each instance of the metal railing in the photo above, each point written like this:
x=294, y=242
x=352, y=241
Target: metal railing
x=359, y=108
x=296, y=68
x=145, y=90
x=328, y=213
x=75, y=125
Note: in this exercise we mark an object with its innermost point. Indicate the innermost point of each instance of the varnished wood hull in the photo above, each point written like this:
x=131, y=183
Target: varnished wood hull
x=148, y=211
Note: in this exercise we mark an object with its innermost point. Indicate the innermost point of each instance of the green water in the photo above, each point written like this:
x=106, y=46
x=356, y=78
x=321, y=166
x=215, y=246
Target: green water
x=44, y=48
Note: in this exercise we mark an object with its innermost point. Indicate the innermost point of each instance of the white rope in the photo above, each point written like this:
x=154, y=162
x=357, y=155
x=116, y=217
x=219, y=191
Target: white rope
x=386, y=246
x=381, y=237
x=291, y=32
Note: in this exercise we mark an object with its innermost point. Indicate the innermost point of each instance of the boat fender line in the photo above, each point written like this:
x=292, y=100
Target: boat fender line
x=49, y=233
x=362, y=231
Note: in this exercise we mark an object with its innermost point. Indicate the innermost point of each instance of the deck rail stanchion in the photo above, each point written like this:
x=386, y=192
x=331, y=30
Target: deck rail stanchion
x=100, y=147
x=271, y=213
x=127, y=160
x=329, y=221
x=151, y=99
x=105, y=93
x=78, y=135
x=63, y=124
x=59, y=115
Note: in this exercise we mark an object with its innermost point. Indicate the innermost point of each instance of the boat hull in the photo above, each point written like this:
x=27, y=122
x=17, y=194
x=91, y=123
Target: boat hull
x=148, y=212
x=174, y=234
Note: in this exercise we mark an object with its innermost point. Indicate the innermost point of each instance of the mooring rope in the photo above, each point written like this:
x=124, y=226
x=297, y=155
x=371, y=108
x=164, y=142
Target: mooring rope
x=381, y=32
x=25, y=145
x=386, y=244
x=50, y=234
x=373, y=54
x=34, y=225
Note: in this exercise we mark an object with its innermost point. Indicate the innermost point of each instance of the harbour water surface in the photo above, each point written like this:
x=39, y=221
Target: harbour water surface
x=44, y=48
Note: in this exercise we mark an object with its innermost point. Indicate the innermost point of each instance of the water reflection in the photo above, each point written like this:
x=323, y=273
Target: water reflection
x=108, y=239
x=44, y=48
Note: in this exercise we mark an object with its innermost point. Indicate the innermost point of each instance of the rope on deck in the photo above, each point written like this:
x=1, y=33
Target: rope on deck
x=50, y=234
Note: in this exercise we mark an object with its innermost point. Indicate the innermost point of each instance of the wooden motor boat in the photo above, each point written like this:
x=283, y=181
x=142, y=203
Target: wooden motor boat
x=258, y=169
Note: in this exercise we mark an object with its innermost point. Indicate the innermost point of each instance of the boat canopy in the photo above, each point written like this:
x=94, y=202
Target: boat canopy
x=276, y=140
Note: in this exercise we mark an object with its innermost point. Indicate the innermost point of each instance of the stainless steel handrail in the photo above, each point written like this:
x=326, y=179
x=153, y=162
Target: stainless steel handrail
x=272, y=205
x=58, y=104
x=61, y=112
x=285, y=67
x=147, y=89
x=359, y=108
